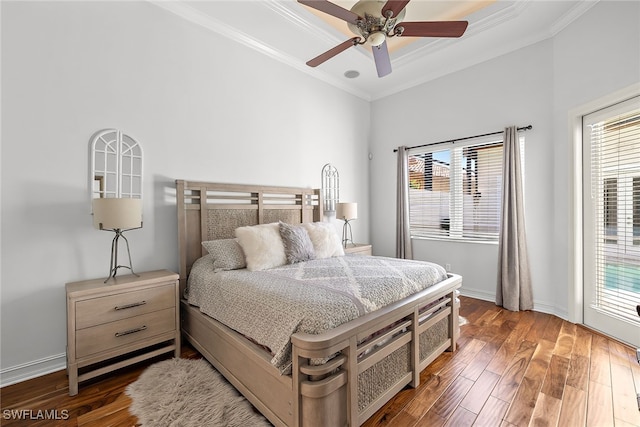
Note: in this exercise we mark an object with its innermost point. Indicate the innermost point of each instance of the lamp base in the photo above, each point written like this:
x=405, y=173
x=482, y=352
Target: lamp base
x=347, y=235
x=113, y=266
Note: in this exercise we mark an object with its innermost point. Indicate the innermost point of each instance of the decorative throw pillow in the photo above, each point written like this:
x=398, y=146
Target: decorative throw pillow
x=262, y=246
x=297, y=243
x=325, y=239
x=226, y=253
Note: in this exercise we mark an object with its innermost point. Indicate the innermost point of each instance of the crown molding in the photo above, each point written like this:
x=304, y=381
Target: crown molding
x=573, y=14
x=488, y=22
x=286, y=11
x=291, y=11
x=494, y=19
x=189, y=13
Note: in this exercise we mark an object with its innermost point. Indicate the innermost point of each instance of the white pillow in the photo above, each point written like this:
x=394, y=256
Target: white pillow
x=262, y=246
x=325, y=239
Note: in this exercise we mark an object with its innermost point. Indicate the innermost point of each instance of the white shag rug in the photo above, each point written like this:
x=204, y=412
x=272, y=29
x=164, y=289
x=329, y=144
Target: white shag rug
x=187, y=392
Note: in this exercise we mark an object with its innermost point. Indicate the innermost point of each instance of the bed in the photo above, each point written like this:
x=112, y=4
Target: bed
x=340, y=376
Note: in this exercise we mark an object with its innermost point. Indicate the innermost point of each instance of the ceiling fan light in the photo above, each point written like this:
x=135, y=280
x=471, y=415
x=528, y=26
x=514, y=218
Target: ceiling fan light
x=377, y=38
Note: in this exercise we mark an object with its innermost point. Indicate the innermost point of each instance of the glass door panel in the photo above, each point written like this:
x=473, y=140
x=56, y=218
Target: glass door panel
x=611, y=235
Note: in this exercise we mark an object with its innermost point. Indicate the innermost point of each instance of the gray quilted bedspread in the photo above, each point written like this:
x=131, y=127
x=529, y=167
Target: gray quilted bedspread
x=313, y=296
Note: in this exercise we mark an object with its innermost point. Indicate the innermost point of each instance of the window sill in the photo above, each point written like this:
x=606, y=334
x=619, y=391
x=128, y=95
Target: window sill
x=456, y=240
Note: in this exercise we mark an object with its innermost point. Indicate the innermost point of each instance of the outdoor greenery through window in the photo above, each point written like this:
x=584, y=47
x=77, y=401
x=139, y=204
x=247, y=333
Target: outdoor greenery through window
x=455, y=192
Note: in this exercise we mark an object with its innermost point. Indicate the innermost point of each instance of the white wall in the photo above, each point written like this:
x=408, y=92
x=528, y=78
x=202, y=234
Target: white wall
x=514, y=89
x=597, y=54
x=202, y=106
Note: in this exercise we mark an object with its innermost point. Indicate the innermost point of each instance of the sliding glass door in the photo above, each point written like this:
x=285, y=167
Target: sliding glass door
x=611, y=139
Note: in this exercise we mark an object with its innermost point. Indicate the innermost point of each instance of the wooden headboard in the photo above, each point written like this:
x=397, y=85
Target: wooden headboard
x=209, y=211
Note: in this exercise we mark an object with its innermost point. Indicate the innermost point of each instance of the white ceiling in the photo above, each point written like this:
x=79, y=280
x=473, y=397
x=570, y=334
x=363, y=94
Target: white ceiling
x=292, y=33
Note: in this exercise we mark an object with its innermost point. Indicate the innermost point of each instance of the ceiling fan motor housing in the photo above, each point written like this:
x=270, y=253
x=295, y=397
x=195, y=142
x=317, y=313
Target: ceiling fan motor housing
x=374, y=28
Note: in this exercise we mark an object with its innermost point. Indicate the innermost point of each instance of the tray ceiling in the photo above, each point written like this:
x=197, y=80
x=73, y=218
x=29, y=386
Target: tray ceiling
x=292, y=33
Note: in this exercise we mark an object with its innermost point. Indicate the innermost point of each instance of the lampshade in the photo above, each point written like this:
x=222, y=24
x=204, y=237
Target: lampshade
x=116, y=213
x=347, y=211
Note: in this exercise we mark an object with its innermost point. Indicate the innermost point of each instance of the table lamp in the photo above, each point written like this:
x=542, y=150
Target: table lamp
x=347, y=212
x=117, y=215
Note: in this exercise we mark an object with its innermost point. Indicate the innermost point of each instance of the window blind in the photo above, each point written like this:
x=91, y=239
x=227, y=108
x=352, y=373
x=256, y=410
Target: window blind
x=615, y=192
x=455, y=192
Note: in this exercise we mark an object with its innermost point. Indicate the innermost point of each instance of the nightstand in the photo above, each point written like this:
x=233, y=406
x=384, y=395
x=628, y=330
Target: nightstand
x=121, y=322
x=358, y=249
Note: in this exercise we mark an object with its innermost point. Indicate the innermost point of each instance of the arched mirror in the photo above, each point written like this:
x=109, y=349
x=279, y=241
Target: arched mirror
x=116, y=165
x=330, y=188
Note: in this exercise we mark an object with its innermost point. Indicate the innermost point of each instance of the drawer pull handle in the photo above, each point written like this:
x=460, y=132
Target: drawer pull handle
x=134, y=304
x=131, y=331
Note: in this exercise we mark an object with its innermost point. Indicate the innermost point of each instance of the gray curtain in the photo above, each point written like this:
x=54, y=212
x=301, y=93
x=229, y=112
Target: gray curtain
x=403, y=236
x=514, y=290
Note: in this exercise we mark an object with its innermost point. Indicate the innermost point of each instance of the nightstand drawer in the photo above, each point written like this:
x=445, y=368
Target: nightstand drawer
x=122, y=332
x=110, y=308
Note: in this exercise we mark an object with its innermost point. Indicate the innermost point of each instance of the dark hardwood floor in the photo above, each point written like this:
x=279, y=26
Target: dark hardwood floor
x=511, y=369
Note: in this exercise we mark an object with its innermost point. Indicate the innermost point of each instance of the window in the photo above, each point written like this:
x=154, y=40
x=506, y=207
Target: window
x=455, y=193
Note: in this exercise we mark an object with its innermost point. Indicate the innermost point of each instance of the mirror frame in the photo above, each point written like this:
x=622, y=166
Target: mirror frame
x=116, y=165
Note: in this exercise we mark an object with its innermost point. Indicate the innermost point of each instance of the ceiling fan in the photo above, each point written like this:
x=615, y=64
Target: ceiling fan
x=373, y=21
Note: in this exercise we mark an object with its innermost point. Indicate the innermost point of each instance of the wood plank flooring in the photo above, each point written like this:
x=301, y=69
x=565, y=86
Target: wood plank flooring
x=521, y=369
x=511, y=369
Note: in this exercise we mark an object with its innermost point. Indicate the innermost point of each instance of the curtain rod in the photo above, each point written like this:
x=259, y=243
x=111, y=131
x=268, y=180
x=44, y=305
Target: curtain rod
x=523, y=128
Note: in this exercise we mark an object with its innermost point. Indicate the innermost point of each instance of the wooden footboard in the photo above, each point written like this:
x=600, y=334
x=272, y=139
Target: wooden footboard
x=370, y=359
x=378, y=355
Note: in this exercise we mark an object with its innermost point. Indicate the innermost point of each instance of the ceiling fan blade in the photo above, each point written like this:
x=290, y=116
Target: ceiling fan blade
x=395, y=6
x=332, y=9
x=332, y=52
x=381, y=56
x=433, y=29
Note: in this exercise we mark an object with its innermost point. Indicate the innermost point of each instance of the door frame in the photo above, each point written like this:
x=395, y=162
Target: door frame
x=596, y=230
x=575, y=242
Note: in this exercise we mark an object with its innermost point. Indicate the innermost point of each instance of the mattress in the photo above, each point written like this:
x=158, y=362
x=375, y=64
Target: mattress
x=312, y=297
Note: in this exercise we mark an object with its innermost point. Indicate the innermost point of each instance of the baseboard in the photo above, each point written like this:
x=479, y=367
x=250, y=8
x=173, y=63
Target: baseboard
x=537, y=305
x=29, y=370
x=477, y=294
